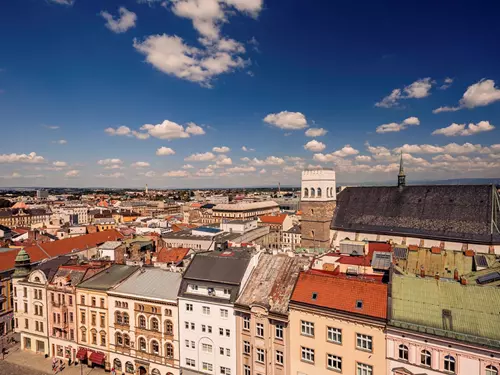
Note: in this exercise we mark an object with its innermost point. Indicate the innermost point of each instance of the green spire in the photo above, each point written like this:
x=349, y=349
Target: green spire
x=22, y=264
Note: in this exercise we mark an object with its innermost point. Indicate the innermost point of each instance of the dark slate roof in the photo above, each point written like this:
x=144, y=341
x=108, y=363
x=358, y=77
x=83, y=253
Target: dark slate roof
x=227, y=266
x=444, y=212
x=50, y=267
x=109, y=278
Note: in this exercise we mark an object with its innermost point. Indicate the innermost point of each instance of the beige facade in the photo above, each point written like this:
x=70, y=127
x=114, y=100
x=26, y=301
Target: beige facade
x=322, y=340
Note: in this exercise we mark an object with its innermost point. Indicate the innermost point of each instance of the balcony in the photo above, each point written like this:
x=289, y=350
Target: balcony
x=60, y=325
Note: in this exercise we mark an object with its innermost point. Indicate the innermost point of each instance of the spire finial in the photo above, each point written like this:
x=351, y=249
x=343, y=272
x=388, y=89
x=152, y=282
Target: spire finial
x=401, y=174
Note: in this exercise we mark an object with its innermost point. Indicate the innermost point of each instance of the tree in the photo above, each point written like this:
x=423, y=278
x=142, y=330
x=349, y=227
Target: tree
x=5, y=203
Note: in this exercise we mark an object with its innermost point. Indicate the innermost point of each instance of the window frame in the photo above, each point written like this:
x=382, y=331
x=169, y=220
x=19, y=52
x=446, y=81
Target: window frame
x=334, y=359
x=306, y=326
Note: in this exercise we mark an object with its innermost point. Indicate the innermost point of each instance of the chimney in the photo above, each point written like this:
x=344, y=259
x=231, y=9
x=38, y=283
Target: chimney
x=422, y=271
x=455, y=274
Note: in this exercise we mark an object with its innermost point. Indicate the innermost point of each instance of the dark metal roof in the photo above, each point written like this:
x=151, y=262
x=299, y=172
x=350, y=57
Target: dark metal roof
x=446, y=212
x=107, y=279
x=50, y=267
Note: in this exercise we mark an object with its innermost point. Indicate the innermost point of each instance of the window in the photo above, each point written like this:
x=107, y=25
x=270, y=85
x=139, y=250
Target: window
x=129, y=367
x=119, y=339
x=70, y=300
x=82, y=317
x=307, y=328
x=246, y=370
x=426, y=358
x=94, y=301
x=227, y=291
x=363, y=369
x=154, y=324
x=364, y=342
x=154, y=310
x=449, y=363
x=189, y=307
x=84, y=334
x=187, y=343
x=246, y=323
x=209, y=329
x=82, y=300
x=25, y=307
x=72, y=334
x=334, y=335
x=193, y=287
x=334, y=362
x=246, y=347
x=279, y=331
x=118, y=318
x=117, y=364
x=103, y=320
x=141, y=307
x=228, y=352
x=491, y=370
x=190, y=362
x=221, y=351
x=260, y=330
x=228, y=333
x=207, y=348
x=102, y=303
x=103, y=339
x=169, y=327
x=94, y=337
x=126, y=340
x=221, y=331
x=125, y=319
x=169, y=350
x=168, y=312
x=225, y=370
x=94, y=319
x=359, y=304
x=192, y=326
x=192, y=345
x=224, y=313
x=142, y=322
x=280, y=359
x=142, y=344
x=207, y=366
x=260, y=355
x=155, y=347
x=403, y=352
x=71, y=317
x=25, y=291
x=307, y=354
x=186, y=325
x=203, y=328
x=206, y=310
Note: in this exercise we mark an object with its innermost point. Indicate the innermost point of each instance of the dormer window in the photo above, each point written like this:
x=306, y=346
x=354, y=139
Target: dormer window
x=227, y=291
x=211, y=292
x=314, y=296
x=193, y=287
x=359, y=304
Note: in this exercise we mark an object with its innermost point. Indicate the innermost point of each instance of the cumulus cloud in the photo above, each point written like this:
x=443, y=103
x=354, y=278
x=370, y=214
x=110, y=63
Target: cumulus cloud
x=73, y=173
x=479, y=94
x=178, y=173
x=347, y=150
x=287, y=120
x=124, y=21
x=60, y=164
x=446, y=84
x=451, y=148
x=114, y=166
x=363, y=158
x=150, y=174
x=194, y=129
x=126, y=131
x=19, y=175
x=464, y=130
x=247, y=149
x=396, y=127
x=187, y=166
x=31, y=158
x=206, y=156
x=314, y=146
x=205, y=172
x=222, y=149
x=171, y=130
x=417, y=90
x=242, y=169
x=315, y=132
x=270, y=160
x=111, y=175
x=109, y=161
x=223, y=160
x=140, y=164
x=63, y=2
x=165, y=151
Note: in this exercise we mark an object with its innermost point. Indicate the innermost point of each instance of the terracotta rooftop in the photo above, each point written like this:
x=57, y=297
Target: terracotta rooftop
x=276, y=219
x=172, y=255
x=342, y=294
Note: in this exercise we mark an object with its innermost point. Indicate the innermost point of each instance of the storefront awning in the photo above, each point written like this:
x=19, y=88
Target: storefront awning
x=81, y=354
x=97, y=358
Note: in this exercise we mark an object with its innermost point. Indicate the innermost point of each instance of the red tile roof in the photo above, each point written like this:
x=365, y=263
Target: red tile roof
x=365, y=260
x=342, y=294
x=182, y=226
x=172, y=255
x=277, y=219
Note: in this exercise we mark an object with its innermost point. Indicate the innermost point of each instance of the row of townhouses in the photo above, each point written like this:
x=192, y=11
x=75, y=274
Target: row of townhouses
x=243, y=312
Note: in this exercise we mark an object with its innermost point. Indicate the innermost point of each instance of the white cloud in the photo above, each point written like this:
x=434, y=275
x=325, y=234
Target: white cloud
x=60, y=164
x=242, y=169
x=51, y=127
x=451, y=148
x=172, y=56
x=396, y=127
x=176, y=174
x=223, y=160
x=417, y=90
x=363, y=158
x=262, y=171
x=150, y=174
x=124, y=21
x=112, y=175
x=187, y=166
x=294, y=158
x=63, y=2
x=164, y=151
x=315, y=132
x=314, y=146
x=171, y=130
x=140, y=135
x=109, y=161
x=247, y=149
x=464, y=130
x=194, y=129
x=140, y=164
x=347, y=150
x=447, y=83
x=270, y=160
x=222, y=149
x=114, y=166
x=18, y=175
x=121, y=130
x=61, y=141
x=31, y=158
x=72, y=173
x=287, y=120
x=205, y=172
x=206, y=156
x=479, y=94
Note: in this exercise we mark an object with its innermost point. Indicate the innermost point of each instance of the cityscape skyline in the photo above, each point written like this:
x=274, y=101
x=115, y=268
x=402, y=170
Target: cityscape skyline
x=225, y=93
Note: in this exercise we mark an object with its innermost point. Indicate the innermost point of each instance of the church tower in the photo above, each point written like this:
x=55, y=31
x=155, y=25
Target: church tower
x=401, y=174
x=318, y=199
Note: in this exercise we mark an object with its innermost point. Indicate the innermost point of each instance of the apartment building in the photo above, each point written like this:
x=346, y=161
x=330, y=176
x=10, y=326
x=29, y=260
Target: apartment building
x=92, y=310
x=19, y=217
x=143, y=323
x=337, y=324
x=210, y=286
x=262, y=324
x=277, y=224
x=6, y=303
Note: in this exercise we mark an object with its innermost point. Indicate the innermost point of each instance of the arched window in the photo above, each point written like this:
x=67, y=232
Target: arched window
x=84, y=334
x=319, y=192
x=403, y=352
x=126, y=340
x=154, y=324
x=155, y=347
x=37, y=279
x=142, y=321
x=169, y=327
x=155, y=371
x=491, y=370
x=169, y=350
x=426, y=358
x=168, y=312
x=103, y=338
x=117, y=364
x=119, y=339
x=142, y=344
x=306, y=192
x=449, y=363
x=125, y=319
x=313, y=193
x=118, y=318
x=129, y=367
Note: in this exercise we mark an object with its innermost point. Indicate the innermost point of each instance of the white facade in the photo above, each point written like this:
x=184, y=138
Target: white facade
x=238, y=226
x=30, y=312
x=318, y=185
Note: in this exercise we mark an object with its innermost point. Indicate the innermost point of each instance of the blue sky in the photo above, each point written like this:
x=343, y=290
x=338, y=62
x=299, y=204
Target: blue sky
x=124, y=93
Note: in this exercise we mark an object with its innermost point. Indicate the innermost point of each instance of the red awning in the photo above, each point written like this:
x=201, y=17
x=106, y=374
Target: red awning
x=82, y=354
x=97, y=358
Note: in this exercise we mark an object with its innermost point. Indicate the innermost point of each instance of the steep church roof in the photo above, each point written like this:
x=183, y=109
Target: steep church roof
x=444, y=212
